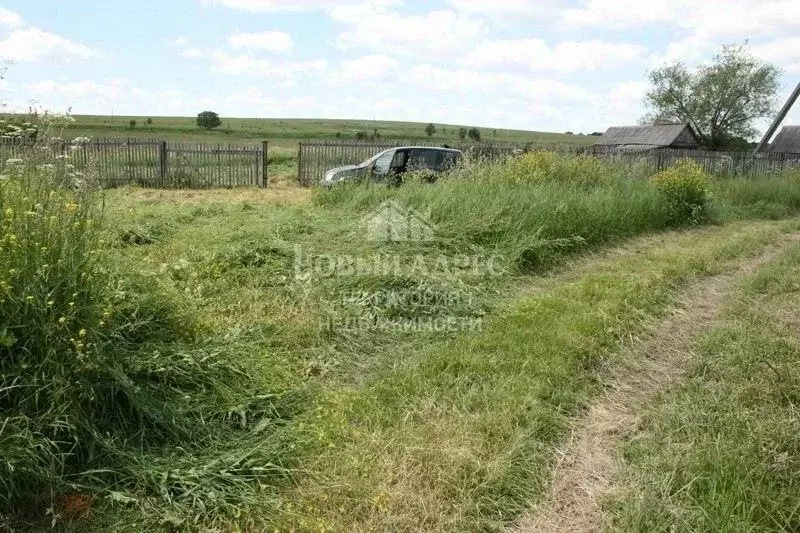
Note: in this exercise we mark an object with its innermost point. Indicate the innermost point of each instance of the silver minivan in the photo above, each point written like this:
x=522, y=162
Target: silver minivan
x=390, y=165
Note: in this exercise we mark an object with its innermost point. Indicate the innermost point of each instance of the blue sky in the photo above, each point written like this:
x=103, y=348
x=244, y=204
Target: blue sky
x=552, y=65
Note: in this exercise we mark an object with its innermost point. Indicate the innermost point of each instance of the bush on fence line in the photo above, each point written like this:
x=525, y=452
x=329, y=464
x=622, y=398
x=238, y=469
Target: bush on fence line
x=686, y=187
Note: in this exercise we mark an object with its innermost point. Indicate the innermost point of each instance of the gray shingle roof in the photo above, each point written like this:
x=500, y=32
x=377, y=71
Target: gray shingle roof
x=788, y=140
x=656, y=135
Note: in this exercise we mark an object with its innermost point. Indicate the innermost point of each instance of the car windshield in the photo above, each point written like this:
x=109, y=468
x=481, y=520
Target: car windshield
x=372, y=159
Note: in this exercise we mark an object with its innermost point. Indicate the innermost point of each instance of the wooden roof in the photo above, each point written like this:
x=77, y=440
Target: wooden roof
x=654, y=136
x=788, y=140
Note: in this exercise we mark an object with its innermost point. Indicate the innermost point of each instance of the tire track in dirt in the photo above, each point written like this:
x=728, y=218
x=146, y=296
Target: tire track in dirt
x=587, y=471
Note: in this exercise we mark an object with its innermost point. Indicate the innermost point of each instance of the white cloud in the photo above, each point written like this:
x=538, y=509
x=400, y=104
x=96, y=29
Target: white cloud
x=472, y=82
x=185, y=48
x=33, y=44
x=191, y=53
x=266, y=104
x=623, y=104
x=260, y=67
x=736, y=18
x=273, y=41
x=507, y=10
x=180, y=41
x=356, y=12
x=367, y=68
x=10, y=19
x=78, y=90
x=434, y=31
x=565, y=57
x=783, y=52
x=274, y=6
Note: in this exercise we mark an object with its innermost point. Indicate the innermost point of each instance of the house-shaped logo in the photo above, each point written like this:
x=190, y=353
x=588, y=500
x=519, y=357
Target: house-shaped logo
x=393, y=222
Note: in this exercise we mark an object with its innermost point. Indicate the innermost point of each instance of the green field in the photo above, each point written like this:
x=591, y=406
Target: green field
x=239, y=360
x=288, y=132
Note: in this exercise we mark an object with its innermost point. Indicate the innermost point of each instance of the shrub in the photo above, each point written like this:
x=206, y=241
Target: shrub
x=208, y=120
x=686, y=188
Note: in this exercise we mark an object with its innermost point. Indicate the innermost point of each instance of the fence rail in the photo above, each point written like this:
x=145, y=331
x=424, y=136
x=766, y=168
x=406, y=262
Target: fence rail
x=315, y=158
x=158, y=163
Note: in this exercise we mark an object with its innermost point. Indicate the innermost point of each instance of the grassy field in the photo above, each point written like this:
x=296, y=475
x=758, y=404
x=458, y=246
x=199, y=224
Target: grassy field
x=286, y=133
x=255, y=358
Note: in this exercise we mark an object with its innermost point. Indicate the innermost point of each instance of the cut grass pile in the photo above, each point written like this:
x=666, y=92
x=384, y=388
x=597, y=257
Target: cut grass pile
x=217, y=381
x=720, y=451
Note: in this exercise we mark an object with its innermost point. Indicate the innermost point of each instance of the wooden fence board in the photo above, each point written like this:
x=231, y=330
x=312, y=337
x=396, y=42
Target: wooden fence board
x=158, y=163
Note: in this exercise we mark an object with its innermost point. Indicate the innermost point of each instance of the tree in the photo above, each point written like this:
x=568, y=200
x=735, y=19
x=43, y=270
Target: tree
x=462, y=133
x=721, y=100
x=149, y=121
x=208, y=120
x=494, y=133
x=430, y=129
x=474, y=134
x=132, y=124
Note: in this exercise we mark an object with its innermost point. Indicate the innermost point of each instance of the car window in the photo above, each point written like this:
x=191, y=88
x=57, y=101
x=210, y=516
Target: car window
x=400, y=158
x=422, y=159
x=449, y=160
x=383, y=162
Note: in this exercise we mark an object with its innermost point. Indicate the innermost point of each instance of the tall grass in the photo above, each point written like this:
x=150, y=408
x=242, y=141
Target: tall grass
x=534, y=209
x=106, y=395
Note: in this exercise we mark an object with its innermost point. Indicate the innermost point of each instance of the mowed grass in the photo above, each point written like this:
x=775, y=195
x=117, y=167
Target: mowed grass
x=721, y=452
x=461, y=436
x=453, y=430
x=379, y=429
x=286, y=133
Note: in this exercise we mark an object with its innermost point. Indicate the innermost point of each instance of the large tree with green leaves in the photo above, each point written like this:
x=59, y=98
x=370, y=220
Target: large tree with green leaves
x=721, y=100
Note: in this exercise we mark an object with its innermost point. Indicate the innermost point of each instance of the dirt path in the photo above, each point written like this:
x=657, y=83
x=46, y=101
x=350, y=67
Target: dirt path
x=587, y=471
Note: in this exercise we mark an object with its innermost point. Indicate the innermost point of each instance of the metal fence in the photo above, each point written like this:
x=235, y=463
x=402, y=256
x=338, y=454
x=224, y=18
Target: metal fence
x=315, y=158
x=157, y=163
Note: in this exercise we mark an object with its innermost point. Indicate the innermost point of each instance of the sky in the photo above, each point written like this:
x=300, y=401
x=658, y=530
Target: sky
x=547, y=65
